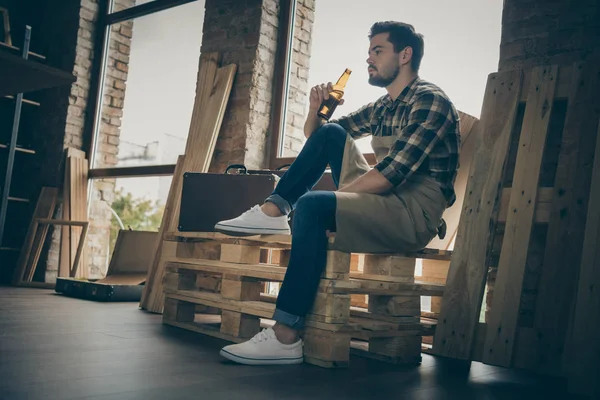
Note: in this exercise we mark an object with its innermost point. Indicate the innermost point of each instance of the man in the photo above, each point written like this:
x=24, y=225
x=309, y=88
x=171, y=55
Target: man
x=395, y=206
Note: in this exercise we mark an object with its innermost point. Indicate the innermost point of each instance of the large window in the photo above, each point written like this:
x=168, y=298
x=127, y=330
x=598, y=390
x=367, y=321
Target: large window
x=147, y=88
x=461, y=48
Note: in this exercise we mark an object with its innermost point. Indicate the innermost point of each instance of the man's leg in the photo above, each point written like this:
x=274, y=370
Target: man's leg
x=324, y=147
x=315, y=214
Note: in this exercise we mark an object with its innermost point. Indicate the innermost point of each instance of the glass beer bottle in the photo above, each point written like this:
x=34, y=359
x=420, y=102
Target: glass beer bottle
x=328, y=106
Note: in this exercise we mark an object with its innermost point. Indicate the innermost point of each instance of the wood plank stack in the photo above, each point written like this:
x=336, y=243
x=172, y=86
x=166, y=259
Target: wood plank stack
x=212, y=94
x=214, y=286
x=74, y=209
x=523, y=220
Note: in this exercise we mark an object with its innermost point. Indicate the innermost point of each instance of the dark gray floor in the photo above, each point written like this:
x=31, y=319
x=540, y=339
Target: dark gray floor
x=54, y=347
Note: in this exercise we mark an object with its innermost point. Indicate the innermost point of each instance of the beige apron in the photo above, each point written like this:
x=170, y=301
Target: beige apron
x=405, y=219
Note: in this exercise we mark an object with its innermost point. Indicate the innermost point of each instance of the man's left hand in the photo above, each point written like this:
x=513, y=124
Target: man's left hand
x=371, y=182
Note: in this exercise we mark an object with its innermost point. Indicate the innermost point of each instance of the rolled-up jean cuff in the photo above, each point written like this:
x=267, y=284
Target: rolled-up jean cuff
x=281, y=203
x=293, y=321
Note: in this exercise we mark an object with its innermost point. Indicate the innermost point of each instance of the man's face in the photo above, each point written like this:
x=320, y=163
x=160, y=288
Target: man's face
x=383, y=62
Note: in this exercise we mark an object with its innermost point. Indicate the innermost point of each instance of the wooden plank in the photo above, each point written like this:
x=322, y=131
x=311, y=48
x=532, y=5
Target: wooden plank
x=234, y=253
x=558, y=280
x=208, y=64
x=29, y=75
x=391, y=288
x=78, y=204
x=322, y=345
x=285, y=242
x=44, y=209
x=264, y=272
x=360, y=349
x=155, y=271
x=583, y=347
x=469, y=131
x=196, y=160
x=389, y=268
x=543, y=205
x=65, y=260
x=468, y=268
x=256, y=308
x=563, y=86
x=502, y=324
x=259, y=271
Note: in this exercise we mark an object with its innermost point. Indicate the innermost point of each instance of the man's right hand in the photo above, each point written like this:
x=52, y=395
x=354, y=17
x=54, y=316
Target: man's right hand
x=318, y=94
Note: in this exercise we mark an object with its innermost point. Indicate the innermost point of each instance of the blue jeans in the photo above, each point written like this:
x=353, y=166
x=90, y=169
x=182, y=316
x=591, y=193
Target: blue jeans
x=314, y=215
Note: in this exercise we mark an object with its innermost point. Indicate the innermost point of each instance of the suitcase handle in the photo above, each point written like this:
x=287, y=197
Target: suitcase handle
x=238, y=167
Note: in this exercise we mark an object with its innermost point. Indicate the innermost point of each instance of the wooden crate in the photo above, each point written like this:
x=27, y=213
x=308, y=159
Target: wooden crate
x=522, y=226
x=215, y=285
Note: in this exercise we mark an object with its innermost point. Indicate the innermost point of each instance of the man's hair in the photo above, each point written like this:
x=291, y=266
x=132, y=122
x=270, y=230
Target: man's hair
x=401, y=36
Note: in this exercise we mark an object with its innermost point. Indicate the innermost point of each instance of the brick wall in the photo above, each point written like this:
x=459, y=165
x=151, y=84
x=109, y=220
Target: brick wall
x=299, y=72
x=246, y=34
x=74, y=118
x=107, y=147
x=550, y=31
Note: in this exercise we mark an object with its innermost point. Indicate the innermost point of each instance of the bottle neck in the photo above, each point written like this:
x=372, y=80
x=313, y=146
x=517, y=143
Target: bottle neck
x=341, y=83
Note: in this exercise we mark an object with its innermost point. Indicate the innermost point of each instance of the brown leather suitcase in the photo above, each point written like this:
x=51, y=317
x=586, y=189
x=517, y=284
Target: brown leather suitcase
x=208, y=198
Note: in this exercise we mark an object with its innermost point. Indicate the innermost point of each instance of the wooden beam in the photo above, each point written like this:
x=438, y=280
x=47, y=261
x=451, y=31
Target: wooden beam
x=583, y=347
x=568, y=217
x=468, y=268
x=502, y=326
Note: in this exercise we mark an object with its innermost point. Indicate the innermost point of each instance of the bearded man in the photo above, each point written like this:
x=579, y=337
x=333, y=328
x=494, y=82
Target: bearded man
x=392, y=207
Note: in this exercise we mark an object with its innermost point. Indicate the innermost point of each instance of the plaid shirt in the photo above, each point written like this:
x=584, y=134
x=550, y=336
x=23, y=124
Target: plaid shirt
x=426, y=125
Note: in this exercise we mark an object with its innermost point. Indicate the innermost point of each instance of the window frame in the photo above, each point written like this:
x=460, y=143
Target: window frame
x=91, y=132
x=287, y=19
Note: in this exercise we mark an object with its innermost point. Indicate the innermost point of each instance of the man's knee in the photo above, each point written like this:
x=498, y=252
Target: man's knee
x=330, y=131
x=315, y=202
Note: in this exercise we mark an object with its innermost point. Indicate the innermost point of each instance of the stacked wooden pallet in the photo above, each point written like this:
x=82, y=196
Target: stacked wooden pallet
x=214, y=285
x=524, y=221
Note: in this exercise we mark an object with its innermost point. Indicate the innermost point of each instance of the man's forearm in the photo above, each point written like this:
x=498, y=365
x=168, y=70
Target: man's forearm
x=372, y=182
x=312, y=123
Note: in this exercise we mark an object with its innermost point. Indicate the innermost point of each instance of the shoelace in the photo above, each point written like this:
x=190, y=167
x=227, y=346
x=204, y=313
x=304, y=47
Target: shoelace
x=260, y=336
x=253, y=209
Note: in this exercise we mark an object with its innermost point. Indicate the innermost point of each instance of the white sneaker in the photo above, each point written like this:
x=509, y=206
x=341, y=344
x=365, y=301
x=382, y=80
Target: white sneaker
x=264, y=349
x=255, y=222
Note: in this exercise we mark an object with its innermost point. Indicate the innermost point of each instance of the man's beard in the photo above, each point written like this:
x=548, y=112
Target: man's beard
x=384, y=81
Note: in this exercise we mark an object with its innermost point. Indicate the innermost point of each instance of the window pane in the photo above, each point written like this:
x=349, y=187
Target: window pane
x=461, y=50
x=123, y=203
x=120, y=5
x=149, y=87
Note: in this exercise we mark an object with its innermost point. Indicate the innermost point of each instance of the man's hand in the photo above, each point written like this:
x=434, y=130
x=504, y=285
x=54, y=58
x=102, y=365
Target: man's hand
x=371, y=182
x=318, y=94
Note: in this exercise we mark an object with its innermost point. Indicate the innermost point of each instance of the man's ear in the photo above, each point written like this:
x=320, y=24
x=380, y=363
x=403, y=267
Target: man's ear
x=406, y=55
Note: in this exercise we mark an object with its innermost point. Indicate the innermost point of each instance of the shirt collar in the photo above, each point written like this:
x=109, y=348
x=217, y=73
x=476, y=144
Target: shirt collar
x=404, y=96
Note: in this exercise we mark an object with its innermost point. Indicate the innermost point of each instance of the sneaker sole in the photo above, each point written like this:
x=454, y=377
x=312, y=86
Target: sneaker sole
x=245, y=231
x=261, y=361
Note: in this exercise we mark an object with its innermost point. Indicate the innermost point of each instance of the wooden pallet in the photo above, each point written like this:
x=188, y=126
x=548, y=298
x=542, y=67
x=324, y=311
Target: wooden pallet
x=215, y=285
x=523, y=219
